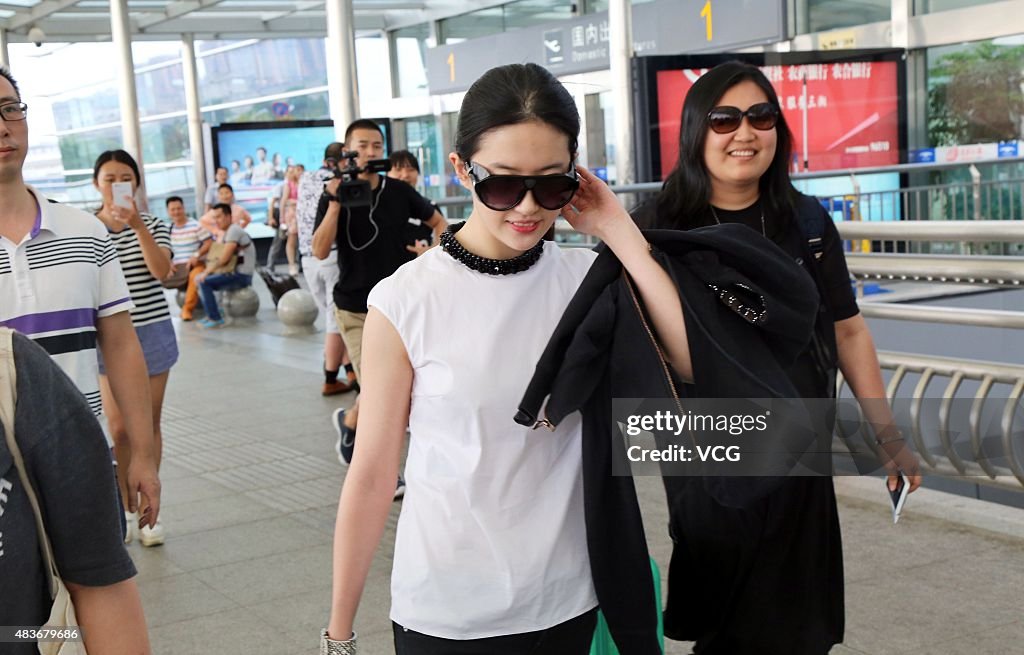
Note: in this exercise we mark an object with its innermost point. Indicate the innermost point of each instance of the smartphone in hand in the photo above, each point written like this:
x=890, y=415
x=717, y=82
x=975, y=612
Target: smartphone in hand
x=898, y=496
x=122, y=194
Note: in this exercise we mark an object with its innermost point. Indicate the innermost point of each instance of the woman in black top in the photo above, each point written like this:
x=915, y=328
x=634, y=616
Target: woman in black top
x=768, y=577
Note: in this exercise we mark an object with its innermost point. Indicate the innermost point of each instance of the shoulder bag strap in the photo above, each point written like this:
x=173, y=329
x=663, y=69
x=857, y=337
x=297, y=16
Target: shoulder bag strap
x=8, y=400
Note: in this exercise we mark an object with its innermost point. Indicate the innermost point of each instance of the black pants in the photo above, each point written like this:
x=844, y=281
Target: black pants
x=570, y=638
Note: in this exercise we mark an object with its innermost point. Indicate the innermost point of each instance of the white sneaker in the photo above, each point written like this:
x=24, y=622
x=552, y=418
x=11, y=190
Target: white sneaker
x=131, y=520
x=152, y=536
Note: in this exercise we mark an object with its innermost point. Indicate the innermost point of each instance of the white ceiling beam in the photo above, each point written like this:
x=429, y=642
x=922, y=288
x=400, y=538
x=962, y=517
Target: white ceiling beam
x=174, y=10
x=36, y=14
x=308, y=25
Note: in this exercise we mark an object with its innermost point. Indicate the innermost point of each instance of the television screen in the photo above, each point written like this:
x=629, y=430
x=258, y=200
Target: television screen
x=257, y=154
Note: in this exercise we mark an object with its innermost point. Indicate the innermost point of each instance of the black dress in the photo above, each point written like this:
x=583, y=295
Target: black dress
x=766, y=578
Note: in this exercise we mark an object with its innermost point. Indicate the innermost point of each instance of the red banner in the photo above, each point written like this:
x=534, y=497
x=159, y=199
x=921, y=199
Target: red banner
x=850, y=109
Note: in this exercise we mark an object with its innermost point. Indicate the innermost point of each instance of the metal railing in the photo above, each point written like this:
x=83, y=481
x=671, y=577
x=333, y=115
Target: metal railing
x=991, y=454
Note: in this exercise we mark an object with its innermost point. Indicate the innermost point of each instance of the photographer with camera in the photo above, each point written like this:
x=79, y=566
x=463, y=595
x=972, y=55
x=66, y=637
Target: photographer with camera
x=365, y=216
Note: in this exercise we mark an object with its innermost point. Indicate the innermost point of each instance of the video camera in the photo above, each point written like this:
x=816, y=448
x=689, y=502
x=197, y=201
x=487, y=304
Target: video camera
x=354, y=192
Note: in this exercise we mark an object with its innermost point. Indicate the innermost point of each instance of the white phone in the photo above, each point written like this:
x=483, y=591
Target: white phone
x=899, y=496
x=122, y=194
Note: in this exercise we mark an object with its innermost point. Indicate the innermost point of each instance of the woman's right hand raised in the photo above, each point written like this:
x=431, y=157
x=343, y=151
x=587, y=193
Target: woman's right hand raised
x=594, y=209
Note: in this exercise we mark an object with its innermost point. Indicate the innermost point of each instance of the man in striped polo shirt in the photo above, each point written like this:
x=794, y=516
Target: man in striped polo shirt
x=61, y=285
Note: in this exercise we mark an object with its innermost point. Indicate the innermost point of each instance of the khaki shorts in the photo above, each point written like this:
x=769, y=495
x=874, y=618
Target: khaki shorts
x=350, y=325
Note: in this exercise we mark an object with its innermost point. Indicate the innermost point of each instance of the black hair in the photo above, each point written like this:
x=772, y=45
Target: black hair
x=334, y=150
x=224, y=207
x=6, y=74
x=513, y=94
x=685, y=198
x=404, y=159
x=170, y=199
x=121, y=157
x=362, y=124
x=225, y=184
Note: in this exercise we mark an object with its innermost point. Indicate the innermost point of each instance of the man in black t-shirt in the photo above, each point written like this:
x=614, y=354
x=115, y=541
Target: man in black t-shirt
x=372, y=244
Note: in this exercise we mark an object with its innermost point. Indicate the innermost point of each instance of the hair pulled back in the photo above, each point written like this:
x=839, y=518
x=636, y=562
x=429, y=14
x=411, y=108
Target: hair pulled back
x=513, y=94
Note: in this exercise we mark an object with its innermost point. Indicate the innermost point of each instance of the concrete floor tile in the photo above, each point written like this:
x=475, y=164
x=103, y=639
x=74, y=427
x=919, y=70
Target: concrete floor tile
x=151, y=563
x=234, y=632
x=994, y=641
x=178, y=598
x=191, y=490
x=240, y=543
x=170, y=471
x=302, y=616
x=909, y=612
x=187, y=518
x=268, y=578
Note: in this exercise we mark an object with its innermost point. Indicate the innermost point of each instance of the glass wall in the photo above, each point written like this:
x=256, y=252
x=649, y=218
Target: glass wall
x=527, y=13
x=239, y=81
x=410, y=56
x=932, y=6
x=822, y=15
x=974, y=92
x=472, y=25
x=423, y=139
x=261, y=68
x=975, y=99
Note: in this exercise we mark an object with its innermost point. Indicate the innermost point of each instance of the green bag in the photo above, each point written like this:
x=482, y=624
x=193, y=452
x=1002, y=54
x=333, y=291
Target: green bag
x=603, y=643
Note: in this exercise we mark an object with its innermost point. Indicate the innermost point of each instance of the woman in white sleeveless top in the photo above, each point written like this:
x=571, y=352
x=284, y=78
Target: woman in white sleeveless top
x=490, y=553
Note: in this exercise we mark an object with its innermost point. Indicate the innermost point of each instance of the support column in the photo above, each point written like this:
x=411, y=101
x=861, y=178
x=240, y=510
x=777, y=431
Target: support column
x=343, y=91
x=620, y=54
x=195, y=118
x=131, y=133
x=5, y=59
x=900, y=23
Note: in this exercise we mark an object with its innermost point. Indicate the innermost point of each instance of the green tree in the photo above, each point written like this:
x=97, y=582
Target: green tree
x=974, y=95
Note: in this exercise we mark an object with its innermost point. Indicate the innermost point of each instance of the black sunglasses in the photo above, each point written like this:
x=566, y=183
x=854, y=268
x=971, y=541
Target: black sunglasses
x=503, y=192
x=762, y=116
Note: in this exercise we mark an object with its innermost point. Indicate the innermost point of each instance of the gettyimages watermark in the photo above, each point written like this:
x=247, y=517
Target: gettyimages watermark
x=741, y=437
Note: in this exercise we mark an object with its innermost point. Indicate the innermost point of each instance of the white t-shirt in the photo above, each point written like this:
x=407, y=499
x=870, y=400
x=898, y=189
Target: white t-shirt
x=491, y=538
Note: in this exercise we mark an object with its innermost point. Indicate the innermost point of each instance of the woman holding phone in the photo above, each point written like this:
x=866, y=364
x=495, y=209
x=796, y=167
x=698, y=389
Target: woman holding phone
x=491, y=554
x=143, y=244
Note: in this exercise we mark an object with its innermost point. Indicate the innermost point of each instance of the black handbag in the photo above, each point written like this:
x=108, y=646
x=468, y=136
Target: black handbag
x=278, y=283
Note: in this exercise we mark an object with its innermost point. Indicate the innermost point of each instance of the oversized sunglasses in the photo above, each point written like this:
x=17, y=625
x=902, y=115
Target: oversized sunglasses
x=762, y=116
x=503, y=192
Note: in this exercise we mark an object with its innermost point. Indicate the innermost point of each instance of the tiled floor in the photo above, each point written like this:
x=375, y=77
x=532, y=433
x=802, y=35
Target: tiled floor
x=251, y=485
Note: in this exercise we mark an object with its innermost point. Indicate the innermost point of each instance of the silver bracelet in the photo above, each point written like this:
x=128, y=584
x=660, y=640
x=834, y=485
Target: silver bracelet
x=882, y=442
x=330, y=646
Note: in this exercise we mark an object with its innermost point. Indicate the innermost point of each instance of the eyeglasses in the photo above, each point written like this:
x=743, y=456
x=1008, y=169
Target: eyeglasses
x=503, y=192
x=14, y=111
x=762, y=116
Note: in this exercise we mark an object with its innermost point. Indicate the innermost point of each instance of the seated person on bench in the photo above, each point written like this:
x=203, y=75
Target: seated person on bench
x=229, y=265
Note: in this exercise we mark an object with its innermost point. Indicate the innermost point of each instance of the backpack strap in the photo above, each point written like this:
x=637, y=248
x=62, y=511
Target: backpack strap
x=811, y=216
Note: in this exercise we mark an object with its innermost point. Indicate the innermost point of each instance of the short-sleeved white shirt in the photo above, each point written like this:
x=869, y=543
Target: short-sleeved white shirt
x=491, y=539
x=56, y=284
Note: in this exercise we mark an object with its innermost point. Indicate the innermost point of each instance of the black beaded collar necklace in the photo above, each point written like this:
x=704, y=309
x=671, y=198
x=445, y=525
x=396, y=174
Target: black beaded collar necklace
x=480, y=264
